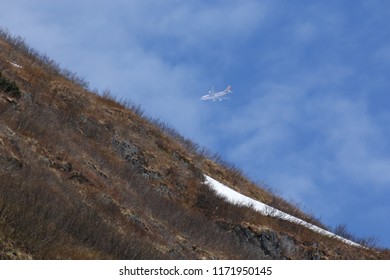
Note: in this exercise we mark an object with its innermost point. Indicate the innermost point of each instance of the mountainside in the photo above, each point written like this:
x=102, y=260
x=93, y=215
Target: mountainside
x=83, y=176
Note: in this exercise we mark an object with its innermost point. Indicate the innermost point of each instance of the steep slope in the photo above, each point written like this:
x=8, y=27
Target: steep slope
x=85, y=177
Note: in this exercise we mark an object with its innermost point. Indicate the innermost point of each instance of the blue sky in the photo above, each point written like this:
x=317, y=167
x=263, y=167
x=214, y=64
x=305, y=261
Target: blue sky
x=310, y=111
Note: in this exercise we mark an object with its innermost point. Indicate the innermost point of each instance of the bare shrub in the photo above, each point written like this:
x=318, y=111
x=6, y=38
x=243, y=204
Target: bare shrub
x=341, y=230
x=9, y=87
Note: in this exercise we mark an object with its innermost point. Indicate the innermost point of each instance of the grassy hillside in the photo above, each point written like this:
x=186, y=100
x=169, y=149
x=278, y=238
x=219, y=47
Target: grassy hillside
x=83, y=176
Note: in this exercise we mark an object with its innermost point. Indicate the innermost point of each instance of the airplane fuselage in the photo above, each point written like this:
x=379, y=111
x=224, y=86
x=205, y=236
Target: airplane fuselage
x=216, y=95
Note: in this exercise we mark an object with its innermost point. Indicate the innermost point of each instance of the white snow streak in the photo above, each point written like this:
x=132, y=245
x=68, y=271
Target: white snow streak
x=14, y=64
x=234, y=197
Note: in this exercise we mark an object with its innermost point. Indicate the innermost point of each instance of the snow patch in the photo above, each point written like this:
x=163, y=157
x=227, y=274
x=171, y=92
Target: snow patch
x=14, y=64
x=234, y=197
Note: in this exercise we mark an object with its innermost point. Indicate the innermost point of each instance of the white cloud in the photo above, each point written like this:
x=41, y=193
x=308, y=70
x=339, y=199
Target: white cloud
x=198, y=22
x=357, y=142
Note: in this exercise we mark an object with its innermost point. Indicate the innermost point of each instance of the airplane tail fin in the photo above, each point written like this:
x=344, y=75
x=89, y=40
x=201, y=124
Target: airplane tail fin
x=228, y=89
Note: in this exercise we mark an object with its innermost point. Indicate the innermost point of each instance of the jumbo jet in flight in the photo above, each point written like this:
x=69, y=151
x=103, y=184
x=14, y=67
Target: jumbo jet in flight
x=217, y=95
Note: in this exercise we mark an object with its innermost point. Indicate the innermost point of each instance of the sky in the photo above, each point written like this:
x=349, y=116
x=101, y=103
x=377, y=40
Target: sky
x=311, y=104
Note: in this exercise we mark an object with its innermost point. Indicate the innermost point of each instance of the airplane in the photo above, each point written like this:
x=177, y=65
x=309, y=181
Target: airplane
x=217, y=95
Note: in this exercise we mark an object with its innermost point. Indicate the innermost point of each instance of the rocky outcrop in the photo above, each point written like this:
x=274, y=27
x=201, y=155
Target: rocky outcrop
x=270, y=243
x=8, y=251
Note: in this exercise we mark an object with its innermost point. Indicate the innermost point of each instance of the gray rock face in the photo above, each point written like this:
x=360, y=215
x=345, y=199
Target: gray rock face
x=125, y=148
x=129, y=152
x=271, y=244
x=277, y=246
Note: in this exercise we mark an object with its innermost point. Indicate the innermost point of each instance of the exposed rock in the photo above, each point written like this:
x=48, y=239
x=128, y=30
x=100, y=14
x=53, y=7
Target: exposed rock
x=8, y=251
x=272, y=244
x=125, y=148
x=165, y=190
x=132, y=155
x=149, y=174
